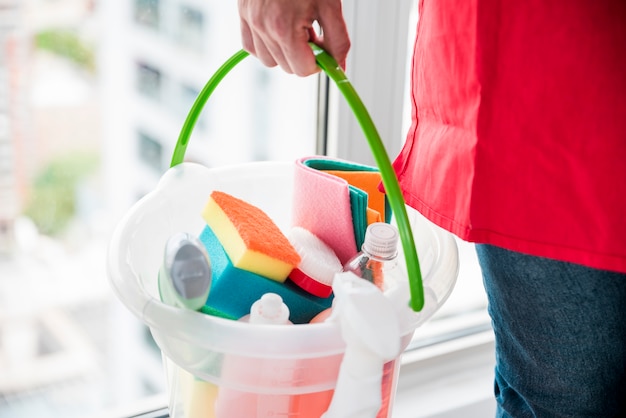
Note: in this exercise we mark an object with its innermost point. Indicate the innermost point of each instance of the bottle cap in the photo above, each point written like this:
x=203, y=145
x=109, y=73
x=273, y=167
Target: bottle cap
x=186, y=271
x=270, y=309
x=381, y=240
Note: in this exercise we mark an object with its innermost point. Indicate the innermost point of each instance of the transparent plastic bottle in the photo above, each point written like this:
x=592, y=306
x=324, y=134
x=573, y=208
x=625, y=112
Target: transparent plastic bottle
x=377, y=262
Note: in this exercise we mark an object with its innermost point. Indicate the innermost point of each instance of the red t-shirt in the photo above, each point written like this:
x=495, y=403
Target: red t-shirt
x=519, y=126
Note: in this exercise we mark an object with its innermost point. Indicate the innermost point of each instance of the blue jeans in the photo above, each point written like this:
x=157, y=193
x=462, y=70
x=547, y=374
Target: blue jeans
x=560, y=332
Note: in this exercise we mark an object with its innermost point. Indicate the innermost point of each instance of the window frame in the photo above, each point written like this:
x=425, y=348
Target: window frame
x=373, y=27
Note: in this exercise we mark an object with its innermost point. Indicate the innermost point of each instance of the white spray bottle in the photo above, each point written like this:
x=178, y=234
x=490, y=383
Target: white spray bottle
x=369, y=327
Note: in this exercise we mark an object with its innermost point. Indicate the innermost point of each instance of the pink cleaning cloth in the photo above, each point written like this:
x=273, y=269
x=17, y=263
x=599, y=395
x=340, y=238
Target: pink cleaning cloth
x=321, y=205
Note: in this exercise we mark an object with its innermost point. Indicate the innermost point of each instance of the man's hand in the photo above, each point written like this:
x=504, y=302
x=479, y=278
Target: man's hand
x=277, y=32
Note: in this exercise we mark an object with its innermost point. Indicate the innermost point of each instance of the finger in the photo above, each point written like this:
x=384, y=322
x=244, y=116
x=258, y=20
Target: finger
x=246, y=37
x=335, y=38
x=263, y=53
x=299, y=54
x=265, y=44
x=277, y=32
x=287, y=37
x=277, y=52
x=251, y=38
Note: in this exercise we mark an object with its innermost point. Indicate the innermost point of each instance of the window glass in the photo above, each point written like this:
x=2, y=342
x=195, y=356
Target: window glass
x=191, y=27
x=149, y=81
x=91, y=105
x=151, y=152
x=147, y=13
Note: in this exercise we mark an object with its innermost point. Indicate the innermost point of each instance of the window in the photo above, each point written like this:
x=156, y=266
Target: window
x=147, y=13
x=149, y=81
x=150, y=152
x=191, y=23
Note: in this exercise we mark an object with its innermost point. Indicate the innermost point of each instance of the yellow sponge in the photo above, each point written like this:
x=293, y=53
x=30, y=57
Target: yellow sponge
x=251, y=239
x=198, y=396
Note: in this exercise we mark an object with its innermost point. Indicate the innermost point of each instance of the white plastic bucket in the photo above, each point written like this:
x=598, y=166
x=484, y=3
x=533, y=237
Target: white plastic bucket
x=266, y=369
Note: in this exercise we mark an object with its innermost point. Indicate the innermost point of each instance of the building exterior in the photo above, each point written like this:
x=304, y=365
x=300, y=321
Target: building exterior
x=154, y=63
x=72, y=348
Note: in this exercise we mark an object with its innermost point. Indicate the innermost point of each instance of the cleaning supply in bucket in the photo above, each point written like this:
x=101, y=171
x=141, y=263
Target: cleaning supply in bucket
x=370, y=330
x=367, y=368
x=372, y=270
x=234, y=290
x=230, y=403
x=322, y=316
x=318, y=263
x=251, y=239
x=333, y=196
x=185, y=275
x=322, y=205
x=270, y=309
x=314, y=404
x=136, y=254
x=369, y=182
x=377, y=261
x=198, y=396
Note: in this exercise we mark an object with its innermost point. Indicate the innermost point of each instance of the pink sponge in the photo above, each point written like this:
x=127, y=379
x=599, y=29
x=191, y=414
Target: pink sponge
x=251, y=239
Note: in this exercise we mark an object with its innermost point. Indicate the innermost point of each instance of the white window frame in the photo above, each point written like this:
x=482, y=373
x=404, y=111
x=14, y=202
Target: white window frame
x=376, y=67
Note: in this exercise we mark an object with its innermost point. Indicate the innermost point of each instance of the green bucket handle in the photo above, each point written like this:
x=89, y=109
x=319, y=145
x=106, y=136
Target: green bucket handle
x=390, y=181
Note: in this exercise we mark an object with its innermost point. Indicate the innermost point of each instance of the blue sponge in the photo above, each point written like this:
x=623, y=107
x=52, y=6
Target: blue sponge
x=233, y=290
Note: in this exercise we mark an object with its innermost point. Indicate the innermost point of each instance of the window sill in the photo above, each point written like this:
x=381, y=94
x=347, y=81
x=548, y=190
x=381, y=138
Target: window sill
x=450, y=379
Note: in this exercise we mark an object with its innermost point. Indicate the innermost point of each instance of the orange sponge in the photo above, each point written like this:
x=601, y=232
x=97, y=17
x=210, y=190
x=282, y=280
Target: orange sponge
x=251, y=239
x=367, y=181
